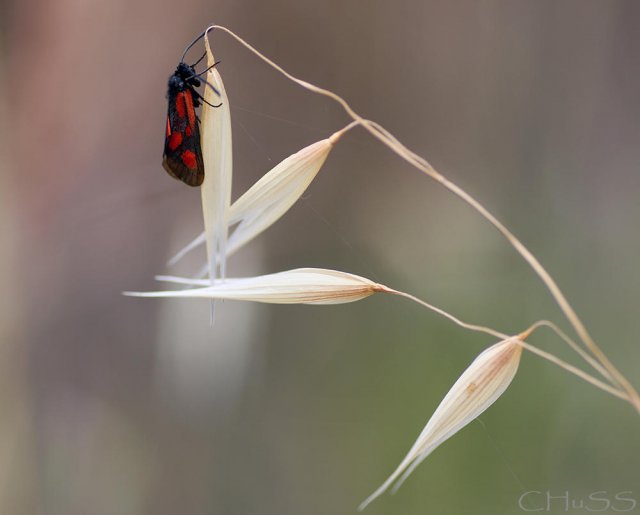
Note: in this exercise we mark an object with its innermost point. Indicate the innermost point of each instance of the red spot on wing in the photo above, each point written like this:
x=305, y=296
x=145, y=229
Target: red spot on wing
x=175, y=140
x=191, y=112
x=180, y=104
x=188, y=131
x=189, y=159
x=168, y=128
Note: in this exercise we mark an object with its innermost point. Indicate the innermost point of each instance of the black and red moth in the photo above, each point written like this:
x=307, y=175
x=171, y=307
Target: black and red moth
x=182, y=157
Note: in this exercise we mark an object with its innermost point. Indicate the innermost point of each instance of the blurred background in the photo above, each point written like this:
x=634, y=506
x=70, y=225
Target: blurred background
x=115, y=405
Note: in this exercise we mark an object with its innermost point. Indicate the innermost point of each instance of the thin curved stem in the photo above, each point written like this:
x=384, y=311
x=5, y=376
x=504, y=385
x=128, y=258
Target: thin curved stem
x=519, y=339
x=594, y=363
x=396, y=146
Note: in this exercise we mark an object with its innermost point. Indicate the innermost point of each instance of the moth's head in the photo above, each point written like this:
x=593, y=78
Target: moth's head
x=186, y=73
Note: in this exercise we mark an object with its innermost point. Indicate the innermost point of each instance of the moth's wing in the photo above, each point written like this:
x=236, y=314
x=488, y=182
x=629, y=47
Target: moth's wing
x=182, y=157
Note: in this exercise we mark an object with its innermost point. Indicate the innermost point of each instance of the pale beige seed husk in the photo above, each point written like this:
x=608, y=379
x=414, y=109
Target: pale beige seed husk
x=478, y=387
x=274, y=194
x=270, y=197
x=218, y=165
x=298, y=286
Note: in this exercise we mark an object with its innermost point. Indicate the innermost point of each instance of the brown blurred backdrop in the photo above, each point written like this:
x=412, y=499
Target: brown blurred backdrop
x=113, y=405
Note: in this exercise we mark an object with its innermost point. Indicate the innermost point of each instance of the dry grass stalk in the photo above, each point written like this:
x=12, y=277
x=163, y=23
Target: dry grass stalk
x=384, y=136
x=265, y=202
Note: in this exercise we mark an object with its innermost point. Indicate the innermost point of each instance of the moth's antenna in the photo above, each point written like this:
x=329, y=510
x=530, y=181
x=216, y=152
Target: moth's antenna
x=199, y=75
x=198, y=61
x=191, y=44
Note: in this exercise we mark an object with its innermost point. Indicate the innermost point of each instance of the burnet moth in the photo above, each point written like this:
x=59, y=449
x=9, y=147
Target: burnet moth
x=182, y=156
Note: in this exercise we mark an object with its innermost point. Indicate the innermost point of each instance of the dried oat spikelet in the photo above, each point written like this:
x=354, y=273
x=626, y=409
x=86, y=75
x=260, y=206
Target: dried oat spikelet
x=298, y=286
x=274, y=194
x=271, y=196
x=218, y=165
x=478, y=387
